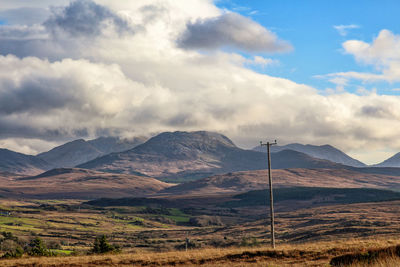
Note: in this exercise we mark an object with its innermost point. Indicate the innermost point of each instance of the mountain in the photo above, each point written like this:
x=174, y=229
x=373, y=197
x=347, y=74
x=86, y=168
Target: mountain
x=18, y=163
x=293, y=159
x=256, y=180
x=190, y=155
x=81, y=184
x=327, y=152
x=80, y=151
x=393, y=161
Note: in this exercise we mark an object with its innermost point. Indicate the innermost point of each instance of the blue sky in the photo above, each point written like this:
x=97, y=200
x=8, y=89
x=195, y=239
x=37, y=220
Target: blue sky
x=309, y=27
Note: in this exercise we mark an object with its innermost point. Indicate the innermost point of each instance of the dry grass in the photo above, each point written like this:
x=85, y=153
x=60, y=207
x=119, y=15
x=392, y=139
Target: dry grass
x=307, y=254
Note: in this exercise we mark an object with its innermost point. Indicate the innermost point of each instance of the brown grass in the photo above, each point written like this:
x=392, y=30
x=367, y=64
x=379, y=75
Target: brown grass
x=308, y=254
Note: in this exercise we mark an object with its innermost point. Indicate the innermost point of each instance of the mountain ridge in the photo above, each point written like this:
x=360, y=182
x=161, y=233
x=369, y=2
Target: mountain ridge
x=80, y=151
x=196, y=155
x=393, y=161
x=19, y=163
x=327, y=152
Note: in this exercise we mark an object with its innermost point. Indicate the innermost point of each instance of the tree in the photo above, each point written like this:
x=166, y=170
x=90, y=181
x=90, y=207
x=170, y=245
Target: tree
x=38, y=248
x=101, y=245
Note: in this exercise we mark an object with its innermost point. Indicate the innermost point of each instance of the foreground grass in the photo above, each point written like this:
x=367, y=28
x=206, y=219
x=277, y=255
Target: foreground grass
x=309, y=254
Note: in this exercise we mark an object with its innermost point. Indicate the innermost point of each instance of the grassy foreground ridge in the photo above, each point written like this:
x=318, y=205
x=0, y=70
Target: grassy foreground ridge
x=360, y=252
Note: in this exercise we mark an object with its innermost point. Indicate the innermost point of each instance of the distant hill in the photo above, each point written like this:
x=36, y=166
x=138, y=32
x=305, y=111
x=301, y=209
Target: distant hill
x=80, y=151
x=393, y=161
x=18, y=163
x=313, y=196
x=255, y=180
x=192, y=155
x=327, y=152
x=81, y=184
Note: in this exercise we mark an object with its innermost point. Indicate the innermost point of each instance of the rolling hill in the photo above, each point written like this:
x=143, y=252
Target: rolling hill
x=255, y=180
x=80, y=184
x=327, y=152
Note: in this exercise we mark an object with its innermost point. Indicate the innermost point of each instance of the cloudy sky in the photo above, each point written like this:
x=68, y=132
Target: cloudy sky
x=313, y=71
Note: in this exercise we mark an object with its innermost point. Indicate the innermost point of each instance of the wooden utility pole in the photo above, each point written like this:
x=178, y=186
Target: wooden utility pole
x=271, y=196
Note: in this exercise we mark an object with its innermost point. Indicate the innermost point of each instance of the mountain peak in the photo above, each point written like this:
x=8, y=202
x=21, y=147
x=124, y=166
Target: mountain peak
x=185, y=144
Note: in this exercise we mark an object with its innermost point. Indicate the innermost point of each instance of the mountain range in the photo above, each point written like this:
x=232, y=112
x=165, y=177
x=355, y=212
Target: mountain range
x=182, y=156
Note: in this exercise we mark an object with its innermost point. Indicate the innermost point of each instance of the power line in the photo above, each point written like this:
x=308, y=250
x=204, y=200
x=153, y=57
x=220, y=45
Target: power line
x=271, y=196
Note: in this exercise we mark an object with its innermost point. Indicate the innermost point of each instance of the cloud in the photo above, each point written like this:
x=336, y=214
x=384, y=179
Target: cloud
x=343, y=30
x=73, y=86
x=231, y=30
x=383, y=53
x=85, y=18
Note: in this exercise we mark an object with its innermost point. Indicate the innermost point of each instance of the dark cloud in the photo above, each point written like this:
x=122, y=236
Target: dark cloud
x=376, y=112
x=232, y=30
x=85, y=18
x=35, y=96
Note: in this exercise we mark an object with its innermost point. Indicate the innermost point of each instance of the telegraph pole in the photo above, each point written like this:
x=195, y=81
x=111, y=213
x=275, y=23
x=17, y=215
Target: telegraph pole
x=271, y=196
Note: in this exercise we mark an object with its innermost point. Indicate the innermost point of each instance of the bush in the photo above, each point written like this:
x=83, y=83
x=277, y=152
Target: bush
x=249, y=242
x=54, y=245
x=101, y=245
x=12, y=249
x=205, y=220
x=37, y=247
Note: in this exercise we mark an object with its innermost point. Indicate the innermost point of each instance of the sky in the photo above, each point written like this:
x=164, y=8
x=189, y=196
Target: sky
x=311, y=72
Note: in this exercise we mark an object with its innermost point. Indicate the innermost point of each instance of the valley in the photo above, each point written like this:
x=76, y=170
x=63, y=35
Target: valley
x=197, y=190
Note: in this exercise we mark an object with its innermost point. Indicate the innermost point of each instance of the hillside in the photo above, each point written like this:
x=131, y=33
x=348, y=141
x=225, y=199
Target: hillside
x=254, y=180
x=79, y=151
x=191, y=155
x=81, y=184
x=18, y=163
x=393, y=161
x=327, y=152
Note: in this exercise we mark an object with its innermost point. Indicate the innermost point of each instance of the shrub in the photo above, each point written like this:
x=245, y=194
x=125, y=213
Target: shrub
x=101, y=245
x=249, y=242
x=12, y=249
x=37, y=247
x=205, y=220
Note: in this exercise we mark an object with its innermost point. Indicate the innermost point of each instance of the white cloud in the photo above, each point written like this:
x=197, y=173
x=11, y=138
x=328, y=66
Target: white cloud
x=383, y=54
x=142, y=82
x=343, y=30
x=262, y=61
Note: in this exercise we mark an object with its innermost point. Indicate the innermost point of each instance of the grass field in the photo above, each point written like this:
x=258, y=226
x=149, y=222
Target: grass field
x=307, y=254
x=154, y=235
